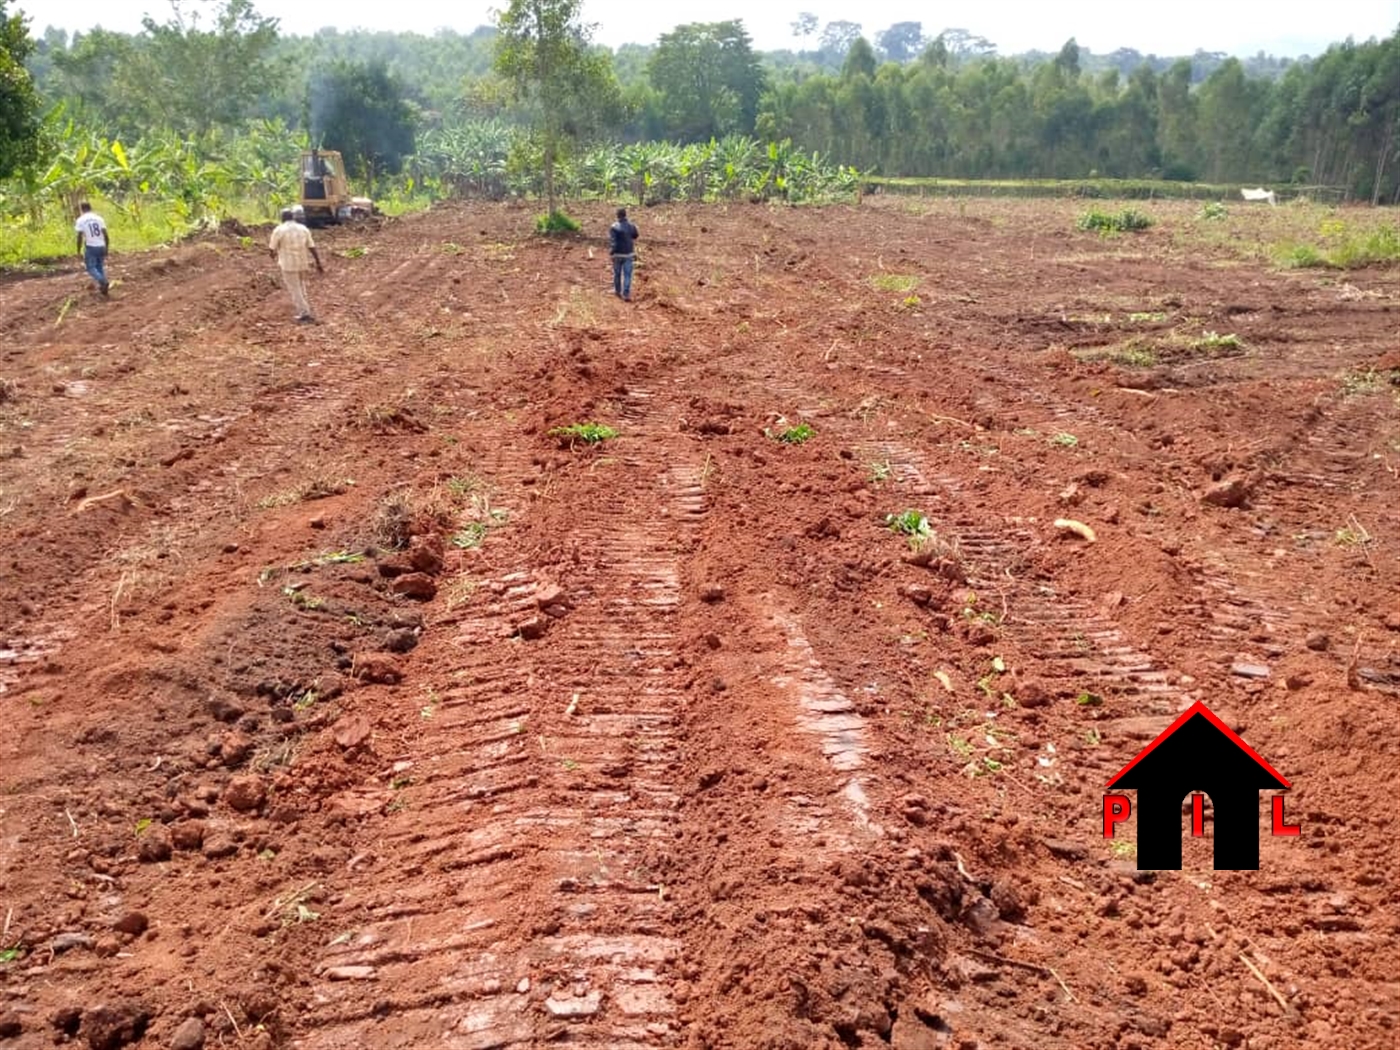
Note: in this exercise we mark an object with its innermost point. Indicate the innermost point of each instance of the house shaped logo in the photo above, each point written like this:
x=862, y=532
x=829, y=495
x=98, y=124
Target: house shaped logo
x=1197, y=753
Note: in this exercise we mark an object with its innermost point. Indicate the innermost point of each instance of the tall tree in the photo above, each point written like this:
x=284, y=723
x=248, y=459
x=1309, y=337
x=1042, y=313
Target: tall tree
x=902, y=41
x=191, y=79
x=359, y=108
x=543, y=50
x=805, y=25
x=836, y=40
x=708, y=79
x=860, y=61
x=19, y=103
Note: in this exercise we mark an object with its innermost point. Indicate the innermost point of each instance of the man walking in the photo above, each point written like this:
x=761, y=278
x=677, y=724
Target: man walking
x=622, y=238
x=291, y=245
x=93, y=243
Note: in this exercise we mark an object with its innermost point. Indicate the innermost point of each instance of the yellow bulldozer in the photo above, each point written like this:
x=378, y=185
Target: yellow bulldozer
x=325, y=194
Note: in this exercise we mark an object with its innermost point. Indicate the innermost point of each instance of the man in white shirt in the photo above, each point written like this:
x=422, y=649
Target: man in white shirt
x=93, y=243
x=291, y=245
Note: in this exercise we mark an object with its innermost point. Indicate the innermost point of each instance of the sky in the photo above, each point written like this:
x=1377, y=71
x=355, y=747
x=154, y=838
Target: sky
x=1242, y=27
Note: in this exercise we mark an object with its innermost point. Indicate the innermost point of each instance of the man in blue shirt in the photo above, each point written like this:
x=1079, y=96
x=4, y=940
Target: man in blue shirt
x=622, y=238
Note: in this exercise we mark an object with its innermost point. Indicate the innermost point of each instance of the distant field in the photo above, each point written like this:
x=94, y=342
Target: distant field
x=1105, y=189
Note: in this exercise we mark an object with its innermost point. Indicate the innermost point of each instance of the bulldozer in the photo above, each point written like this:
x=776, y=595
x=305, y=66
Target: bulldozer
x=325, y=195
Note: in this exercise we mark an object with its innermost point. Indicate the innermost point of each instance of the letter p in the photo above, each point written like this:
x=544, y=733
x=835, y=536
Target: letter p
x=1116, y=809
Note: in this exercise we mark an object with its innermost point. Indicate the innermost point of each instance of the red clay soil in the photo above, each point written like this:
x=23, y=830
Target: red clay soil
x=347, y=706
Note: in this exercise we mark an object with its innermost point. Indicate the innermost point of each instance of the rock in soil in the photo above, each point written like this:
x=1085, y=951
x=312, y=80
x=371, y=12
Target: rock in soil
x=418, y=586
x=189, y=1036
x=245, y=794
x=10, y=1026
x=351, y=973
x=112, y=1027
x=1319, y=642
x=711, y=593
x=66, y=942
x=155, y=845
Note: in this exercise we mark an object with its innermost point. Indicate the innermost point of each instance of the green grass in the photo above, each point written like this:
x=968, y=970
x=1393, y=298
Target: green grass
x=556, y=222
x=1214, y=210
x=588, y=433
x=470, y=535
x=795, y=435
x=1211, y=342
x=894, y=282
x=1343, y=248
x=1126, y=221
x=1063, y=440
x=910, y=523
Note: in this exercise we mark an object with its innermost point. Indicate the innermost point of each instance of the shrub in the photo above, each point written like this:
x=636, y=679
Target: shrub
x=556, y=222
x=1126, y=221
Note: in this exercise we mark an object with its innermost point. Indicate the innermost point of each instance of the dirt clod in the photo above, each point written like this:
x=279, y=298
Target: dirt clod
x=352, y=732
x=11, y=1027
x=188, y=834
x=155, y=845
x=425, y=554
x=112, y=1027
x=417, y=586
x=712, y=593
x=381, y=668
x=235, y=749
x=401, y=641
x=532, y=628
x=1234, y=491
x=133, y=923
x=246, y=793
x=189, y=1036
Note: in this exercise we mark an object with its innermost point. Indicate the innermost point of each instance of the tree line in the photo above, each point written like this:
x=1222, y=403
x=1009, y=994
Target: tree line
x=901, y=102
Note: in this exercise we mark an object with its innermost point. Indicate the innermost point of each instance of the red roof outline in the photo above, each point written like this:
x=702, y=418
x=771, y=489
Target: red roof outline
x=1200, y=708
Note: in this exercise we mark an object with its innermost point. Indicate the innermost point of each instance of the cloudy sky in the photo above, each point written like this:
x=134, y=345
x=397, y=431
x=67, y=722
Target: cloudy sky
x=1283, y=27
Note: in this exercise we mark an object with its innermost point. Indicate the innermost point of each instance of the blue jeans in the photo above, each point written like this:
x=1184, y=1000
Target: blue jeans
x=95, y=259
x=622, y=275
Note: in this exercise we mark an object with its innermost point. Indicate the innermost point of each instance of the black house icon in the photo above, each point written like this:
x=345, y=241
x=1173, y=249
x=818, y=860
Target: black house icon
x=1198, y=752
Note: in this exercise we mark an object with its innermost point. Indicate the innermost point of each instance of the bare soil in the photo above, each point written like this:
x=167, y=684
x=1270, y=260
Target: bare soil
x=348, y=707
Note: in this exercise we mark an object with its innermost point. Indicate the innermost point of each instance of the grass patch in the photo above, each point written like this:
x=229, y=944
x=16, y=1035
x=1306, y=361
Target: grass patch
x=556, y=222
x=910, y=523
x=1125, y=221
x=588, y=433
x=316, y=488
x=1213, y=211
x=1213, y=342
x=1343, y=248
x=1063, y=440
x=793, y=435
x=903, y=283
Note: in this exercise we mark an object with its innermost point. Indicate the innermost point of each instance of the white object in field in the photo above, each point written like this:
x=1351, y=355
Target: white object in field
x=1260, y=194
